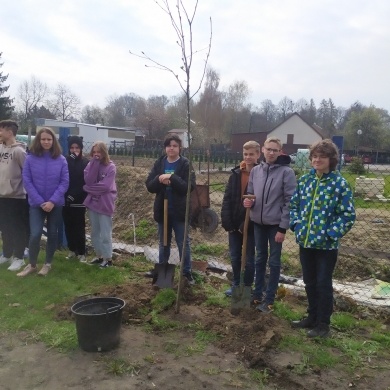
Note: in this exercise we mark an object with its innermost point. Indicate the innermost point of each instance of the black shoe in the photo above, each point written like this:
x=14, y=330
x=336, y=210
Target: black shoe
x=321, y=330
x=106, y=264
x=189, y=278
x=306, y=323
x=96, y=260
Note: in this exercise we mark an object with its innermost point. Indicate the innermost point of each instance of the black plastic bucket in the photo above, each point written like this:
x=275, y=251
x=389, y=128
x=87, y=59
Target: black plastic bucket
x=98, y=323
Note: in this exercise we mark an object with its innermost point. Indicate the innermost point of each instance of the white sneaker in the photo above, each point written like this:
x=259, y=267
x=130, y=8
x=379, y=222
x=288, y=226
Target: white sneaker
x=16, y=265
x=71, y=255
x=5, y=259
x=82, y=258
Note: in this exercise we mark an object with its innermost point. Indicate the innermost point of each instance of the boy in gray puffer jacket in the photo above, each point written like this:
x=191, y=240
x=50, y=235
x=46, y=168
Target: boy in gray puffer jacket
x=273, y=183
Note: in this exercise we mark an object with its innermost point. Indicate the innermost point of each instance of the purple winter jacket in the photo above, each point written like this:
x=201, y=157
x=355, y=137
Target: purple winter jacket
x=45, y=179
x=100, y=186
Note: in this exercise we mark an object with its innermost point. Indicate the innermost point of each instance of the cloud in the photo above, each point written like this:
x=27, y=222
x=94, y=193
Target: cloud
x=299, y=49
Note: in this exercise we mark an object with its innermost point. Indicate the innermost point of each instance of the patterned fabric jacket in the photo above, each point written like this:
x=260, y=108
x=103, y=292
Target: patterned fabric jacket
x=321, y=210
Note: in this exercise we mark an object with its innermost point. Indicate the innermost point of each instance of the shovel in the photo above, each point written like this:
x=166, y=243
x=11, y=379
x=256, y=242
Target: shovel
x=164, y=272
x=241, y=295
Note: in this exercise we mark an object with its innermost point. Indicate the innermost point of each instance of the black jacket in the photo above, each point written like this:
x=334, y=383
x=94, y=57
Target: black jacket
x=179, y=185
x=233, y=211
x=76, y=168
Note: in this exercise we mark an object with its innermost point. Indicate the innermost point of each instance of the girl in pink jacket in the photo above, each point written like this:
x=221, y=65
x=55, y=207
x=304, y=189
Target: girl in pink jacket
x=99, y=176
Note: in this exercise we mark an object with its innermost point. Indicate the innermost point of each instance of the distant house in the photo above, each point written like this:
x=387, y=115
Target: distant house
x=118, y=136
x=183, y=134
x=295, y=133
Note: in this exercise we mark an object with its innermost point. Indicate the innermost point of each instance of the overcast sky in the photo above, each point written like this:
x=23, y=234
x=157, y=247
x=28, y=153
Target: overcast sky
x=337, y=49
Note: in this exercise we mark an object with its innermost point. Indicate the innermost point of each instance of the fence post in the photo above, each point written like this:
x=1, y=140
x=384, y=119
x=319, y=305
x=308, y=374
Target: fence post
x=132, y=151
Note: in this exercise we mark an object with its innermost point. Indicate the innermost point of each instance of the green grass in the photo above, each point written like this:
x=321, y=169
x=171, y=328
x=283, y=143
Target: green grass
x=27, y=304
x=209, y=249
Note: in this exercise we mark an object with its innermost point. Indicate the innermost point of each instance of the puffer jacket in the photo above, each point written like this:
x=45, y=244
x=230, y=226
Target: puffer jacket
x=321, y=210
x=273, y=185
x=100, y=187
x=233, y=211
x=45, y=179
x=179, y=186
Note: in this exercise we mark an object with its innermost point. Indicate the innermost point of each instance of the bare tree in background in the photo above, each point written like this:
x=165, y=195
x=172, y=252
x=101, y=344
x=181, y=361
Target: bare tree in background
x=65, y=104
x=182, y=23
x=30, y=94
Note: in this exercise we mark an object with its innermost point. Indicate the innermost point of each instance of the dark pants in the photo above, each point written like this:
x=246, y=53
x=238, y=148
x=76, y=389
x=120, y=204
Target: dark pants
x=235, y=248
x=14, y=226
x=317, y=268
x=74, y=222
x=264, y=237
x=165, y=252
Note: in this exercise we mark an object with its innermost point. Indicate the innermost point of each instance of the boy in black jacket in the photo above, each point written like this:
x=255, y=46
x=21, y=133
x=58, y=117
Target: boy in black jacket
x=170, y=175
x=233, y=215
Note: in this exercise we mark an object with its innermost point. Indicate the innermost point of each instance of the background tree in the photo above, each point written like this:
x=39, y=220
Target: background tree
x=374, y=124
x=31, y=93
x=6, y=107
x=285, y=108
x=65, y=104
x=208, y=110
x=93, y=115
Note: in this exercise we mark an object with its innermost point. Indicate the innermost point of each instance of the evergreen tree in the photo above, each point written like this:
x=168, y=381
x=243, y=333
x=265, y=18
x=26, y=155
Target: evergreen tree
x=6, y=107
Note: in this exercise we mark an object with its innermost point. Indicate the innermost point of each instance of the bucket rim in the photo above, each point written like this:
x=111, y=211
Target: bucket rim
x=98, y=300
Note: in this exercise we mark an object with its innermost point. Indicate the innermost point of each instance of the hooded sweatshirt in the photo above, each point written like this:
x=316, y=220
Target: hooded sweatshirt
x=273, y=185
x=100, y=186
x=12, y=158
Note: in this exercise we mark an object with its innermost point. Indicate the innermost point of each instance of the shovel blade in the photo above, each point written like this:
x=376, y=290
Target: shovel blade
x=165, y=274
x=241, y=298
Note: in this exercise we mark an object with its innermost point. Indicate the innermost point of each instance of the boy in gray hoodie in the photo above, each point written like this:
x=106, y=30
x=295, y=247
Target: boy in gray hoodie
x=273, y=183
x=13, y=203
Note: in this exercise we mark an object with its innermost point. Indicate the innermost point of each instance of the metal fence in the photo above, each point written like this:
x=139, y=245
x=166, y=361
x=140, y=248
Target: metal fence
x=362, y=275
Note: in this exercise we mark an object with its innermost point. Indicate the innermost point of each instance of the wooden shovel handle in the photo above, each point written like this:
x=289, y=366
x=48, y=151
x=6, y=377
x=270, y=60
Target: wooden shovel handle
x=165, y=233
x=245, y=232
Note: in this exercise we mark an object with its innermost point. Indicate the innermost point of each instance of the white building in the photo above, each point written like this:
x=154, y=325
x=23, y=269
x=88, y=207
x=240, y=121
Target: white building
x=120, y=136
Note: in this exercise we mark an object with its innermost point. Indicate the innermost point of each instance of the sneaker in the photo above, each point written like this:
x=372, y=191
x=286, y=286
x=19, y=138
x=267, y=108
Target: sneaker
x=257, y=300
x=4, y=259
x=150, y=274
x=71, y=255
x=265, y=307
x=16, y=265
x=321, y=330
x=189, y=278
x=44, y=270
x=96, y=260
x=305, y=323
x=106, y=264
x=229, y=292
x=82, y=258
x=29, y=269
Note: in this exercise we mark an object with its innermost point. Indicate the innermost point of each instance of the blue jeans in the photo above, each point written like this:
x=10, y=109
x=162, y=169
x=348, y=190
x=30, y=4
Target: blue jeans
x=235, y=248
x=101, y=234
x=37, y=221
x=165, y=252
x=317, y=268
x=264, y=236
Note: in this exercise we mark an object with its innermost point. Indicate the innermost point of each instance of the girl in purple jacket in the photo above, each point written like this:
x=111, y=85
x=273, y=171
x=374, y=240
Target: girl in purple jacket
x=99, y=176
x=45, y=179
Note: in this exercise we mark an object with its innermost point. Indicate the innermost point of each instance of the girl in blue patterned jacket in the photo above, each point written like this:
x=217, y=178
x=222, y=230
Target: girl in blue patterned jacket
x=321, y=212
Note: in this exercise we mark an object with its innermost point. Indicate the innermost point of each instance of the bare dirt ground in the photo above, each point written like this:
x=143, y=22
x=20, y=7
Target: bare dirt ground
x=153, y=359
x=150, y=359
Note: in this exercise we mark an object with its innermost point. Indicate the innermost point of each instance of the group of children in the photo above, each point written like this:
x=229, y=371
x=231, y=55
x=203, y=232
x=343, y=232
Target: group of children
x=44, y=186
x=318, y=209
